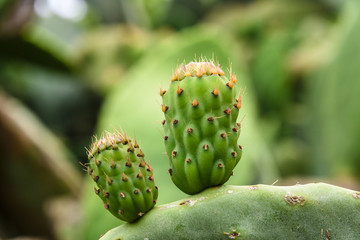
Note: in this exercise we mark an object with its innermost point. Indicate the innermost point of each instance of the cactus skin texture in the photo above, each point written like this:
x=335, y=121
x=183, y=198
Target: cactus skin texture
x=311, y=211
x=125, y=181
x=201, y=108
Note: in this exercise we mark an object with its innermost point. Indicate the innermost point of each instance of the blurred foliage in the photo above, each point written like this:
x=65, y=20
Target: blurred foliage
x=60, y=101
x=334, y=109
x=176, y=14
x=297, y=63
x=104, y=55
x=34, y=167
x=47, y=117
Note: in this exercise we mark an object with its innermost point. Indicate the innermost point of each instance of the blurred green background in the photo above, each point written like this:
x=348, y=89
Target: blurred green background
x=70, y=69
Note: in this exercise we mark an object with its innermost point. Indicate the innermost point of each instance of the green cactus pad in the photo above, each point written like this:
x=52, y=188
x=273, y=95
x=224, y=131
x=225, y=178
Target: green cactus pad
x=201, y=107
x=311, y=211
x=125, y=181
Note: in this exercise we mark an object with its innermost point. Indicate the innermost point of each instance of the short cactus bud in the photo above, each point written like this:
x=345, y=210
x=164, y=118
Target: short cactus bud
x=117, y=165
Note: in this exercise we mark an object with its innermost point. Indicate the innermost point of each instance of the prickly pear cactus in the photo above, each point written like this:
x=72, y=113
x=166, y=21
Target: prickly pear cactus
x=201, y=107
x=125, y=181
x=310, y=211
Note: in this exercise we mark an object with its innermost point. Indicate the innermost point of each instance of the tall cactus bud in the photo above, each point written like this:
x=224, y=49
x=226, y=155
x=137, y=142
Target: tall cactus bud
x=125, y=181
x=201, y=107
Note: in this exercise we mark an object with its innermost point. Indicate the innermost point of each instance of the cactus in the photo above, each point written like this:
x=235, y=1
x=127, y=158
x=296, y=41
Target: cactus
x=311, y=211
x=201, y=108
x=125, y=181
x=140, y=87
x=200, y=126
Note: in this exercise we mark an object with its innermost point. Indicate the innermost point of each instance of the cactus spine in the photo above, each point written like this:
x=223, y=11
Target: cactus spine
x=125, y=181
x=201, y=133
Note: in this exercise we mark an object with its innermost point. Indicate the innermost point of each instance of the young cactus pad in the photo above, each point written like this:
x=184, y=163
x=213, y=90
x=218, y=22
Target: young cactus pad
x=311, y=211
x=201, y=107
x=125, y=181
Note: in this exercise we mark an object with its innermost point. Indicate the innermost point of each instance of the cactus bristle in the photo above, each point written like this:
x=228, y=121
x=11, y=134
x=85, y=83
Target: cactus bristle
x=164, y=108
x=230, y=84
x=293, y=199
x=215, y=92
x=179, y=90
x=227, y=111
x=108, y=180
x=233, y=78
x=220, y=71
x=142, y=163
x=162, y=92
x=107, y=206
x=140, y=175
x=195, y=103
x=149, y=169
x=128, y=162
